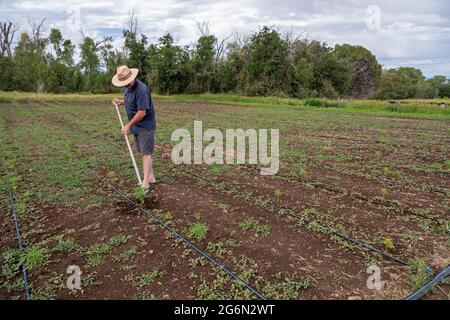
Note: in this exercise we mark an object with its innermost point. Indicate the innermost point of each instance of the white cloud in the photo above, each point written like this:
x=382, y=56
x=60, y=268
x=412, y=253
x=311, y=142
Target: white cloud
x=411, y=31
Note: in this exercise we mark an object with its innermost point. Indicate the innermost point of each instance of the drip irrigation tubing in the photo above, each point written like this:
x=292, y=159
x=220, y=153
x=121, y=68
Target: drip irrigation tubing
x=333, y=231
x=23, y=266
x=427, y=287
x=384, y=203
x=308, y=222
x=344, y=192
x=179, y=236
x=331, y=189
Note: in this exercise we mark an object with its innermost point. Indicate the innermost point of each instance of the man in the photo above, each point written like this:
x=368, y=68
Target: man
x=141, y=116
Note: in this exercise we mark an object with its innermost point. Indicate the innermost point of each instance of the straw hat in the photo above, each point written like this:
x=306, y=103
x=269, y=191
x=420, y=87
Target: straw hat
x=124, y=76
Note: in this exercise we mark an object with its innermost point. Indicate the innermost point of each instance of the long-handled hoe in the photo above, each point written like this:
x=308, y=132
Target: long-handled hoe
x=139, y=191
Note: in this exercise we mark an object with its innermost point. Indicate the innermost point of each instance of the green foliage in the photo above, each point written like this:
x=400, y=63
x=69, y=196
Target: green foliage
x=420, y=274
x=125, y=255
x=148, y=277
x=364, y=67
x=203, y=65
x=119, y=240
x=405, y=83
x=256, y=225
x=384, y=191
x=139, y=194
x=269, y=63
x=266, y=72
x=96, y=254
x=171, y=71
x=66, y=245
x=225, y=207
x=388, y=243
x=34, y=256
x=137, y=52
x=11, y=262
x=198, y=231
x=323, y=103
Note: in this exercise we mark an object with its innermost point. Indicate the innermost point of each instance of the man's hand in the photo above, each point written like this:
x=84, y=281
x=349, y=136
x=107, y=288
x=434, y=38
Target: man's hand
x=117, y=101
x=125, y=129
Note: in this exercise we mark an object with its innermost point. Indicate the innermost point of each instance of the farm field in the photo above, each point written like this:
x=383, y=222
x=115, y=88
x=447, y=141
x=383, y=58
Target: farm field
x=380, y=178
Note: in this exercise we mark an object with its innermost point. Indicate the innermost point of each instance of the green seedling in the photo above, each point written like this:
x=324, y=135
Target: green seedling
x=389, y=243
x=420, y=275
x=34, y=256
x=384, y=192
x=139, y=194
x=254, y=224
x=301, y=172
x=198, y=231
x=148, y=277
x=278, y=193
x=224, y=206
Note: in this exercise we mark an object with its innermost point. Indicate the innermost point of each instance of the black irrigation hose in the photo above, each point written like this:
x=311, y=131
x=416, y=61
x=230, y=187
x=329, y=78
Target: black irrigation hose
x=306, y=221
x=355, y=195
x=23, y=266
x=436, y=280
x=358, y=196
x=178, y=235
x=331, y=230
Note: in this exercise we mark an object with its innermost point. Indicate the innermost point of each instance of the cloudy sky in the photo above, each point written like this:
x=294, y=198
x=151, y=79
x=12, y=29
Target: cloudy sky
x=400, y=33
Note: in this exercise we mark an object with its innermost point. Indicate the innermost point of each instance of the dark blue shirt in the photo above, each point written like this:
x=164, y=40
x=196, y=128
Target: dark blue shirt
x=139, y=98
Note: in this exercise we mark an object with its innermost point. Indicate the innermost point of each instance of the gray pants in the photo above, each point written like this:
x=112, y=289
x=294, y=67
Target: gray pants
x=145, y=142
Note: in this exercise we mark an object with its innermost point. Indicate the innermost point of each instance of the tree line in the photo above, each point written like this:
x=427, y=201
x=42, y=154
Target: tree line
x=266, y=62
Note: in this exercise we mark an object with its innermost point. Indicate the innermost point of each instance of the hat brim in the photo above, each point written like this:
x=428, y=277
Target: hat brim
x=116, y=82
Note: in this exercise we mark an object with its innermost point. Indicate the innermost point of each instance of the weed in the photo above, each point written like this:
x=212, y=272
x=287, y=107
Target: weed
x=384, y=192
x=256, y=225
x=420, y=274
x=278, y=193
x=125, y=255
x=301, y=171
x=388, y=243
x=148, y=277
x=11, y=262
x=198, y=231
x=34, y=256
x=118, y=240
x=96, y=254
x=139, y=194
x=224, y=207
x=66, y=245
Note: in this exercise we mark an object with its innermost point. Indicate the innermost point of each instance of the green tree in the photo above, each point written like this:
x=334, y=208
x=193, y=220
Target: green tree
x=444, y=91
x=402, y=83
x=364, y=67
x=6, y=74
x=203, y=65
x=137, y=53
x=439, y=83
x=30, y=63
x=62, y=72
x=266, y=68
x=170, y=73
x=90, y=63
x=332, y=75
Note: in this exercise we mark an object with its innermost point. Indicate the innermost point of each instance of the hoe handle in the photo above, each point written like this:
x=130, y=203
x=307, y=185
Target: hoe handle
x=129, y=147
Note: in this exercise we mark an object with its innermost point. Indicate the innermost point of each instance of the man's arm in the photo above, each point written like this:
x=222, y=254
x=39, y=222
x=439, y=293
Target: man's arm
x=140, y=114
